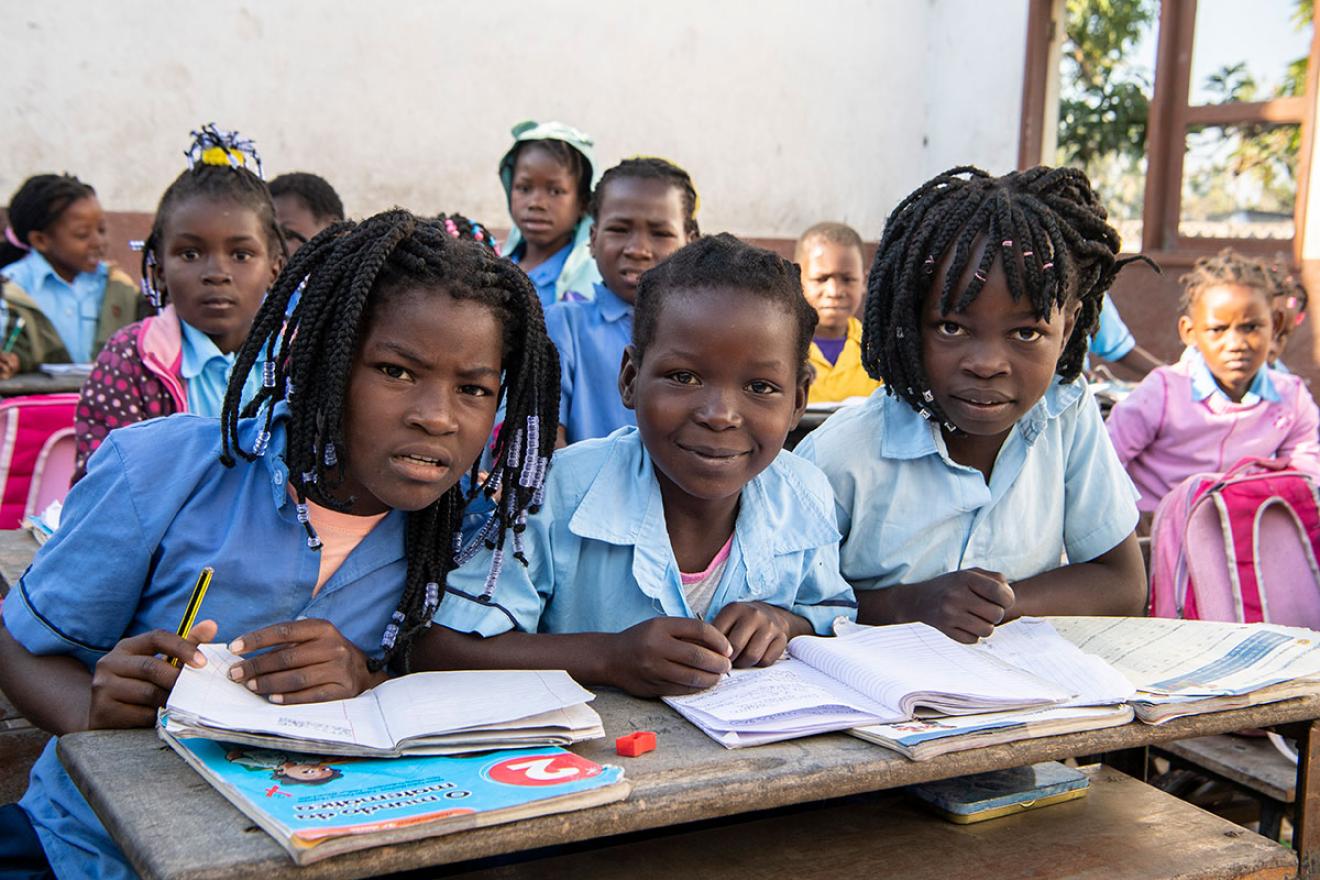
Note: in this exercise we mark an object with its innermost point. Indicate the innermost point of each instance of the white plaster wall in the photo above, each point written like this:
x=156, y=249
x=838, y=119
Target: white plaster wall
x=785, y=112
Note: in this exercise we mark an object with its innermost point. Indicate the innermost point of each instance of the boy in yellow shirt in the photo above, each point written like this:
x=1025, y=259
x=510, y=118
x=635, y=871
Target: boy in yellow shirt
x=833, y=281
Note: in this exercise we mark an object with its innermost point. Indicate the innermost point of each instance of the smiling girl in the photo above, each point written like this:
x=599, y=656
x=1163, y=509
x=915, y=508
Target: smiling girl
x=668, y=552
x=214, y=248
x=983, y=462
x=329, y=518
x=55, y=277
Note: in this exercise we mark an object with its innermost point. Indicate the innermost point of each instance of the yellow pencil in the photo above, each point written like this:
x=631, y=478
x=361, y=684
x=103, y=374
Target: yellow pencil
x=194, y=605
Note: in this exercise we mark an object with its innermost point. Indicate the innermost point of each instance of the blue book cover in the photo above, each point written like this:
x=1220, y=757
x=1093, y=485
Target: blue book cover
x=320, y=806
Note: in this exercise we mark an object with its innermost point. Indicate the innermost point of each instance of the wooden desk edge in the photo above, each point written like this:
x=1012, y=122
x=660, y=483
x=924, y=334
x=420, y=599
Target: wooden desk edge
x=660, y=800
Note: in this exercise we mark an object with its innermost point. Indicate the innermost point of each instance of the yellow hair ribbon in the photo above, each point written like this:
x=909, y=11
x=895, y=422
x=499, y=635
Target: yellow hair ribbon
x=222, y=156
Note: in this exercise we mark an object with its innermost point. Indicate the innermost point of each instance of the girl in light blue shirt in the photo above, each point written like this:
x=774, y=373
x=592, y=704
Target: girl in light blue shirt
x=979, y=484
x=668, y=552
x=383, y=397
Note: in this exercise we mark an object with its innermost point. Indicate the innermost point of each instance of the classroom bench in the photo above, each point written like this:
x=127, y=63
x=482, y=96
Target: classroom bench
x=1251, y=765
x=17, y=547
x=40, y=383
x=171, y=823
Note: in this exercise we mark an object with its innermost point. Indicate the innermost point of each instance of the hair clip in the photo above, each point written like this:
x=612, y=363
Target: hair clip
x=331, y=458
x=1008, y=242
x=979, y=276
x=1027, y=253
x=950, y=426
x=215, y=146
x=927, y=396
x=1049, y=265
x=268, y=374
x=924, y=413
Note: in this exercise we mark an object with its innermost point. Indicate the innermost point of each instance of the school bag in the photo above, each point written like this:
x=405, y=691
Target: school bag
x=1239, y=546
x=36, y=454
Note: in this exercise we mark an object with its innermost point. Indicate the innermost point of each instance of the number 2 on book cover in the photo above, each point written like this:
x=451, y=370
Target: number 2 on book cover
x=547, y=770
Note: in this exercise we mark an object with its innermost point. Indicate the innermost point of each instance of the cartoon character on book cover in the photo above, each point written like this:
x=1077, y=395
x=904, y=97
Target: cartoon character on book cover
x=287, y=768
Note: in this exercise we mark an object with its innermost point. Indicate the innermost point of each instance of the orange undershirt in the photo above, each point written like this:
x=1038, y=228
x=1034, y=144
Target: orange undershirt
x=339, y=533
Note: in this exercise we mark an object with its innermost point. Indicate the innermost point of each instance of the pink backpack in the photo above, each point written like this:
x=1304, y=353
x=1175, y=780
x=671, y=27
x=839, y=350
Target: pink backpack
x=1239, y=546
x=36, y=454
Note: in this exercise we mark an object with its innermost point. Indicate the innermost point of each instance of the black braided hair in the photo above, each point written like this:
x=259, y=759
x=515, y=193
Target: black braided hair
x=341, y=276
x=1046, y=227
x=315, y=191
x=567, y=156
x=1230, y=267
x=722, y=262
x=217, y=169
x=39, y=202
x=652, y=168
x=467, y=229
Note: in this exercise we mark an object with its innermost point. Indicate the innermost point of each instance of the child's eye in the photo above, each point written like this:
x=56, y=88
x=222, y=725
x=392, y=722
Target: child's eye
x=189, y=254
x=476, y=390
x=948, y=328
x=243, y=256
x=683, y=377
x=1027, y=334
x=762, y=387
x=394, y=371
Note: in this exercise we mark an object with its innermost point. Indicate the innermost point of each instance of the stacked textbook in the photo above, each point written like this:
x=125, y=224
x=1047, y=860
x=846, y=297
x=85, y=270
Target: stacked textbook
x=426, y=713
x=420, y=755
x=912, y=689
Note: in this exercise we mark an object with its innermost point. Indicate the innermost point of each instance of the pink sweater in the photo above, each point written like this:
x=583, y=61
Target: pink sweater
x=1163, y=434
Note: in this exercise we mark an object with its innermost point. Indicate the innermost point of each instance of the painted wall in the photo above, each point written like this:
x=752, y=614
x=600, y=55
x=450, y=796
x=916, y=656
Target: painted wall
x=785, y=113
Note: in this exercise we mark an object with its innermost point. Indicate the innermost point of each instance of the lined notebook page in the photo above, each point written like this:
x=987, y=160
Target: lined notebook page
x=913, y=664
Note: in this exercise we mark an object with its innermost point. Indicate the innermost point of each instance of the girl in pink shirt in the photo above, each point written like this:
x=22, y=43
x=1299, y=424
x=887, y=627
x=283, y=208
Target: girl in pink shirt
x=1220, y=403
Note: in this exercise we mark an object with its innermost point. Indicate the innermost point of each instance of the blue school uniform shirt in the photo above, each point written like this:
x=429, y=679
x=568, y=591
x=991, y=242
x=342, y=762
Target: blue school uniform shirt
x=207, y=370
x=1112, y=340
x=600, y=560
x=909, y=513
x=545, y=275
x=154, y=508
x=1204, y=384
x=591, y=337
x=73, y=308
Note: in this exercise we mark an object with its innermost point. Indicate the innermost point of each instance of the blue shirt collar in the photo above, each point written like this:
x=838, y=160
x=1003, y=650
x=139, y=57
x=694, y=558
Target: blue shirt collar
x=1204, y=384
x=905, y=434
x=41, y=269
x=612, y=308
x=548, y=271
x=199, y=350
x=623, y=506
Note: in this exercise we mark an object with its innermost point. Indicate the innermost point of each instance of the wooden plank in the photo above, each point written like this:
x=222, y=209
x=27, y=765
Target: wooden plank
x=1122, y=830
x=39, y=383
x=1306, y=807
x=688, y=778
x=1252, y=762
x=1279, y=110
x=17, y=547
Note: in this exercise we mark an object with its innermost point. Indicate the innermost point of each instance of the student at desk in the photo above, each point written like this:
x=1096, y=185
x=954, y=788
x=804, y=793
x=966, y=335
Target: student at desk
x=668, y=552
x=983, y=463
x=346, y=486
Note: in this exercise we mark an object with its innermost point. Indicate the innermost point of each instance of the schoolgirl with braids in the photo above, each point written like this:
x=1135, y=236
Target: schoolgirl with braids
x=214, y=249
x=670, y=551
x=54, y=276
x=983, y=462
x=328, y=507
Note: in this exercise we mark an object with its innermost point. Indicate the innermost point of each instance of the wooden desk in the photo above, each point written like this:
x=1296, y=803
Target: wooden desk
x=17, y=547
x=39, y=383
x=171, y=823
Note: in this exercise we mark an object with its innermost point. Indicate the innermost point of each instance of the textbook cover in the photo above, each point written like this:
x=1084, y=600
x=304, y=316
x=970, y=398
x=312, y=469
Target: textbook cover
x=320, y=806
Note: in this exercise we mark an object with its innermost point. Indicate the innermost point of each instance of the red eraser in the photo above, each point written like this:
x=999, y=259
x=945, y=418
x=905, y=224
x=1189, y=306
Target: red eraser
x=634, y=744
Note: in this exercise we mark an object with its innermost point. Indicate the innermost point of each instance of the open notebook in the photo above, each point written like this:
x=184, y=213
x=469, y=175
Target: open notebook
x=883, y=675
x=426, y=713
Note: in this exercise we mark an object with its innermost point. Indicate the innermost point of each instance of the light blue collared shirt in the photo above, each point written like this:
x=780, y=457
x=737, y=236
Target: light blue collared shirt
x=600, y=559
x=545, y=275
x=1112, y=339
x=909, y=513
x=207, y=369
x=1204, y=384
x=74, y=309
x=591, y=337
x=154, y=508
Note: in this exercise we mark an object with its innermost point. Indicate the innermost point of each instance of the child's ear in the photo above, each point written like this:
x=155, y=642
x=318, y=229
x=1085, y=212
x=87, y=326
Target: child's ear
x=276, y=267
x=1185, y=330
x=805, y=376
x=1070, y=320
x=591, y=240
x=38, y=240
x=628, y=376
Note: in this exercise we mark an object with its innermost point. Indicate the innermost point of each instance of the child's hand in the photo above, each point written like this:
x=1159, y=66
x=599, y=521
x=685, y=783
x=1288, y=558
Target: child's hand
x=8, y=364
x=131, y=682
x=758, y=633
x=667, y=656
x=311, y=662
x=964, y=605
